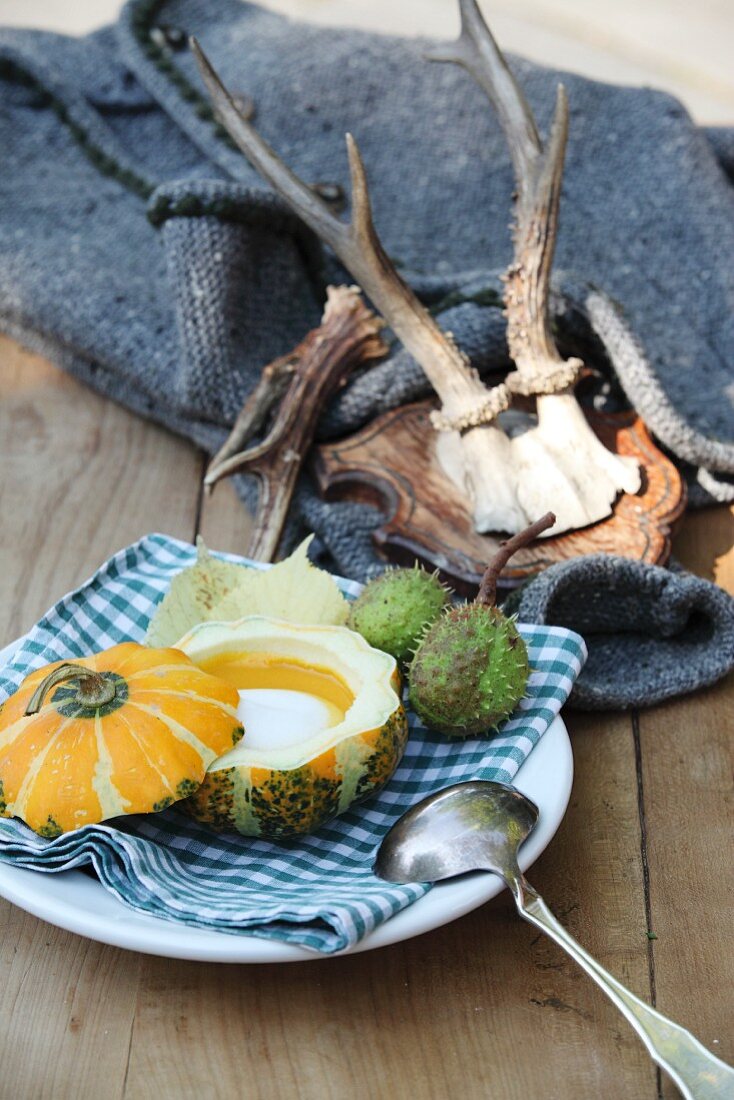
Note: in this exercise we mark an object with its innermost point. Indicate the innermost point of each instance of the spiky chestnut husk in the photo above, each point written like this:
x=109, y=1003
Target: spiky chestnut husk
x=471, y=668
x=396, y=607
x=469, y=672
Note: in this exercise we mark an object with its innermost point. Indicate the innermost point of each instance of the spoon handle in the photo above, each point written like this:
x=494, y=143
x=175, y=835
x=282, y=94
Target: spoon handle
x=698, y=1074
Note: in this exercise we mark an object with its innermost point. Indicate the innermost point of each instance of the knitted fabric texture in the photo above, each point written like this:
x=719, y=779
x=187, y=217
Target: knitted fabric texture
x=140, y=251
x=176, y=318
x=652, y=634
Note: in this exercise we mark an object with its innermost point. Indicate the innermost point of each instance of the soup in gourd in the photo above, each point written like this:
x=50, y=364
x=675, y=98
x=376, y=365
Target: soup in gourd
x=282, y=701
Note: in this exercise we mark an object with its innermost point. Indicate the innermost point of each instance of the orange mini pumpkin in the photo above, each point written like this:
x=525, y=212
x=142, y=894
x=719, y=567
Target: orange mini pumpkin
x=125, y=731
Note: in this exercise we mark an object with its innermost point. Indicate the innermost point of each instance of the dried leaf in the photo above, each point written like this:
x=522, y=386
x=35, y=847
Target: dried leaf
x=212, y=590
x=294, y=590
x=193, y=597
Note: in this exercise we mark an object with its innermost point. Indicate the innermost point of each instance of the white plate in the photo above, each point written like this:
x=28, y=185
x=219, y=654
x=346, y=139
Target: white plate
x=79, y=903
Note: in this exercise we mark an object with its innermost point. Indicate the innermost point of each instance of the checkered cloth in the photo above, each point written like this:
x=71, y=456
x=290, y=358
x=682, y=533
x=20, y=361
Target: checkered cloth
x=317, y=891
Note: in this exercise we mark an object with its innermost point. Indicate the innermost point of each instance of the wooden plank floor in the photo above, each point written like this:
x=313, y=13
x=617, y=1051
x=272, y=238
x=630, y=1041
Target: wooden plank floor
x=483, y=1007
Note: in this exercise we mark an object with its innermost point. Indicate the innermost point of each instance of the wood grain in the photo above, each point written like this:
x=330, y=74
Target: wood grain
x=73, y=1011
x=69, y=1006
x=429, y=520
x=482, y=1007
x=687, y=768
x=81, y=478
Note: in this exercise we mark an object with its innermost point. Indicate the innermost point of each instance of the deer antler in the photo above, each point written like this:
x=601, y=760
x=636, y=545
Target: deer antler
x=538, y=174
x=561, y=460
x=468, y=407
x=298, y=383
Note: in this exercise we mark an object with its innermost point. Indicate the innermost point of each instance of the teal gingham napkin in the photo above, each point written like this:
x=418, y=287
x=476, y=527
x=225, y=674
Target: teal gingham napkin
x=317, y=891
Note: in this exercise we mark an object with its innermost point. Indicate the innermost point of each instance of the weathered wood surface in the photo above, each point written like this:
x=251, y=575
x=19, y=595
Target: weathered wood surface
x=686, y=750
x=482, y=1007
x=426, y=518
x=75, y=484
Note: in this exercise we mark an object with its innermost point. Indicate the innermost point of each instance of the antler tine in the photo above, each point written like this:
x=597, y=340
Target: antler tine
x=475, y=451
x=312, y=209
x=363, y=226
x=540, y=367
x=477, y=51
x=538, y=174
x=560, y=458
x=539, y=261
x=463, y=396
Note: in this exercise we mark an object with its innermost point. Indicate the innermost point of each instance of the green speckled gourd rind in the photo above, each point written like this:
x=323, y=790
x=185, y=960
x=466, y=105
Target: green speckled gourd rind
x=469, y=673
x=394, y=609
x=280, y=803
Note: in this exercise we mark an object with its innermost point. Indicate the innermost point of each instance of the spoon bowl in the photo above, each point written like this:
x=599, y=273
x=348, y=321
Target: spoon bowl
x=480, y=826
x=467, y=827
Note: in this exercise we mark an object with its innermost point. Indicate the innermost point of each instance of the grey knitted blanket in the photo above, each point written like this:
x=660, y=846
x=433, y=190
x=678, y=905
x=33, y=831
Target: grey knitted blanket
x=139, y=249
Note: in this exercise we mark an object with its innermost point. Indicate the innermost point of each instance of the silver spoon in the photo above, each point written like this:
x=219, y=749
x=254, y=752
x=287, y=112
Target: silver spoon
x=480, y=826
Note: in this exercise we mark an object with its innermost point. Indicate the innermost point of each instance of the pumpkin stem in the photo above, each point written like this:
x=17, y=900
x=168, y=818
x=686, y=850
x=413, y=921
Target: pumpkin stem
x=94, y=690
x=487, y=595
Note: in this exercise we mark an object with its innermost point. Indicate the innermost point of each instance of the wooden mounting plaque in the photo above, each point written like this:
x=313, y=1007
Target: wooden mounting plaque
x=392, y=464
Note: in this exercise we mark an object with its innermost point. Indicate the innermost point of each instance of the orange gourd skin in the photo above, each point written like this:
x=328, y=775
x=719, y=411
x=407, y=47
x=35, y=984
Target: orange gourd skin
x=71, y=765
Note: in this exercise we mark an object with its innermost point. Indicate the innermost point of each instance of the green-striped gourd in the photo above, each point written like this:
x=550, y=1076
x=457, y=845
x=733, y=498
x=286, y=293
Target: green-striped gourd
x=324, y=724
